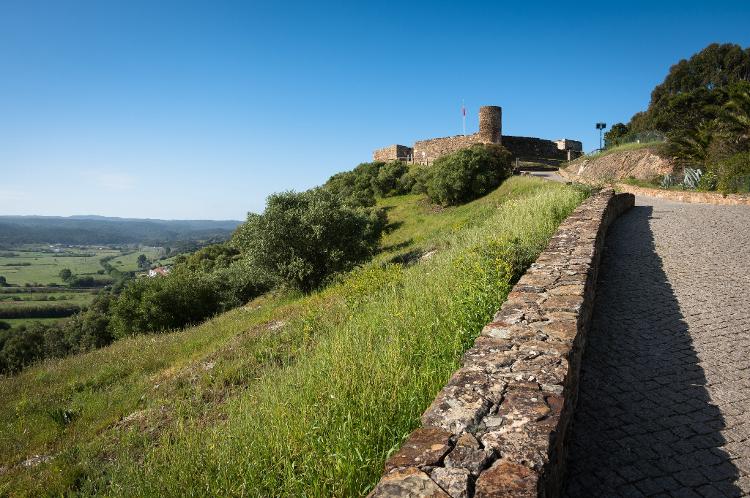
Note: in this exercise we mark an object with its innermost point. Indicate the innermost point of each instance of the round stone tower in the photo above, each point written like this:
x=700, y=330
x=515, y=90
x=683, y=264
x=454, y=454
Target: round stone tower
x=490, y=123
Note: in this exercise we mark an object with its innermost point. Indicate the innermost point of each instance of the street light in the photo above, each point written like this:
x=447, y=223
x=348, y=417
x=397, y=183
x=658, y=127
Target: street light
x=600, y=127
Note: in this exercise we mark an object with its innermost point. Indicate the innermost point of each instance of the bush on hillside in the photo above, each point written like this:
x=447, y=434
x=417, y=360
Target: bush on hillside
x=467, y=174
x=303, y=238
x=734, y=174
x=184, y=297
x=360, y=186
x=388, y=180
x=356, y=187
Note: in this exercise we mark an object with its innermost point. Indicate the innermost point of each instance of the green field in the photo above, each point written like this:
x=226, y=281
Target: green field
x=33, y=278
x=129, y=262
x=33, y=266
x=289, y=395
x=17, y=322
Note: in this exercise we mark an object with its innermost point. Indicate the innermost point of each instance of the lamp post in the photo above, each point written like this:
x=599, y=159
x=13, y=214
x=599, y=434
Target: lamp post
x=600, y=127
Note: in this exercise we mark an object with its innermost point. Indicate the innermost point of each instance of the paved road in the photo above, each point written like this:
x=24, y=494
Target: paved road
x=664, y=402
x=548, y=175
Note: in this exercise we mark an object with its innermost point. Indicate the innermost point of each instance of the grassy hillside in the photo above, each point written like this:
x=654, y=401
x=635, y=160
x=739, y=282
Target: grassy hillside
x=288, y=395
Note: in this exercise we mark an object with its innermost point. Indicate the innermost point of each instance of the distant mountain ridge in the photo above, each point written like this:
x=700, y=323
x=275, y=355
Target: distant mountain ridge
x=93, y=229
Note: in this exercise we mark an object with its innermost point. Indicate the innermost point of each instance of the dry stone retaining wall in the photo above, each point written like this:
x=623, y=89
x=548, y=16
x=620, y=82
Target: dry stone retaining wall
x=500, y=425
x=688, y=196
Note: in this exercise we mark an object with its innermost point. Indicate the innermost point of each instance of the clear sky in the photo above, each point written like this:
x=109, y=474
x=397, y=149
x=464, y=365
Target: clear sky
x=201, y=109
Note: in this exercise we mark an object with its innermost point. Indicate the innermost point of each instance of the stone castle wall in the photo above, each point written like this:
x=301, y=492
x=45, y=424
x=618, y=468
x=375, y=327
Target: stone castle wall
x=500, y=426
x=528, y=147
x=426, y=151
x=392, y=153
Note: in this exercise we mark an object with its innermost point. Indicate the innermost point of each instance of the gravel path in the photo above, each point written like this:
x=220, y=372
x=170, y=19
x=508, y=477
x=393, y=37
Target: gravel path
x=664, y=402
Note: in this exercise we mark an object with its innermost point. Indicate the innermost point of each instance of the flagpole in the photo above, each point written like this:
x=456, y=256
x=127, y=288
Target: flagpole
x=463, y=114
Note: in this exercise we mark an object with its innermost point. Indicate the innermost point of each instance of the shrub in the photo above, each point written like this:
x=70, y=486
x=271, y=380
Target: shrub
x=415, y=180
x=162, y=303
x=734, y=173
x=388, y=180
x=708, y=181
x=467, y=174
x=303, y=238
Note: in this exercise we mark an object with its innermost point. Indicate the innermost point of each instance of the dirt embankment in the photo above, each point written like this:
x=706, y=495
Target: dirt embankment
x=642, y=164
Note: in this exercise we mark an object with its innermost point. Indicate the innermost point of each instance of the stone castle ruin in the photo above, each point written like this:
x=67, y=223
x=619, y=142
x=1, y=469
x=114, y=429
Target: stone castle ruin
x=523, y=149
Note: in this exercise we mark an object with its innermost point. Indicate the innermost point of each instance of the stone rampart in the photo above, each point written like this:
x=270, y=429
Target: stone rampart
x=500, y=426
x=392, y=153
x=528, y=147
x=426, y=151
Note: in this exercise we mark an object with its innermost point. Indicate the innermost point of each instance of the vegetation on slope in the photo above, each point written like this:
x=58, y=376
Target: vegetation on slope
x=703, y=109
x=291, y=394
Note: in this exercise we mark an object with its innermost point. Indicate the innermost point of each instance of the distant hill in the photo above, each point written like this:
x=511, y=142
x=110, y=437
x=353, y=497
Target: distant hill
x=91, y=229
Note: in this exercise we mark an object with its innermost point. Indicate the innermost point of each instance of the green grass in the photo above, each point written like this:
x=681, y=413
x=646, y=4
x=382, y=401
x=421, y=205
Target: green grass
x=625, y=148
x=17, y=322
x=37, y=298
x=44, y=268
x=129, y=262
x=289, y=395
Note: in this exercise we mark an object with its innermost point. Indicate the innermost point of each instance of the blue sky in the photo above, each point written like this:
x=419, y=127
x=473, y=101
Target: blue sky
x=201, y=109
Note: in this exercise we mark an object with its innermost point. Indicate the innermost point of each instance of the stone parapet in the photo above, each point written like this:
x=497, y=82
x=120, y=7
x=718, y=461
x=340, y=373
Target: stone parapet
x=500, y=425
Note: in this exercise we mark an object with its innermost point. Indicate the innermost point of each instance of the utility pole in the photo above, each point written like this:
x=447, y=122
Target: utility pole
x=600, y=127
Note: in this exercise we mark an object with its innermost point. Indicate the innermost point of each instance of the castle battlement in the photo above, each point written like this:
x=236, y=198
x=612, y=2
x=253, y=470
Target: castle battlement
x=490, y=131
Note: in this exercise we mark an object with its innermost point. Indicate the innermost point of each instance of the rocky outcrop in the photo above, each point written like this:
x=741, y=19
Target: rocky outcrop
x=642, y=164
x=499, y=427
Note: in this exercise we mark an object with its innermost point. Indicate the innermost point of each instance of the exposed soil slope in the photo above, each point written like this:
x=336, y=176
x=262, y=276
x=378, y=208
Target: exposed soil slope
x=642, y=164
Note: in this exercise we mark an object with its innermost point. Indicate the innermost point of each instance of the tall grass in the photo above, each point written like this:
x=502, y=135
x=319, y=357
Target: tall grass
x=323, y=424
x=290, y=395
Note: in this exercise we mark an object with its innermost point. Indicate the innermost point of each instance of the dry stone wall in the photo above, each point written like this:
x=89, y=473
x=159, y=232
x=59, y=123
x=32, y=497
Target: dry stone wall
x=499, y=427
x=688, y=196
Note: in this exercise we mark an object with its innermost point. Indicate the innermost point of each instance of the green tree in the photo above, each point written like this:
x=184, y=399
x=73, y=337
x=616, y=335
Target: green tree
x=388, y=180
x=302, y=238
x=468, y=173
x=66, y=274
x=615, y=134
x=143, y=262
x=3, y=281
x=694, y=89
x=734, y=117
